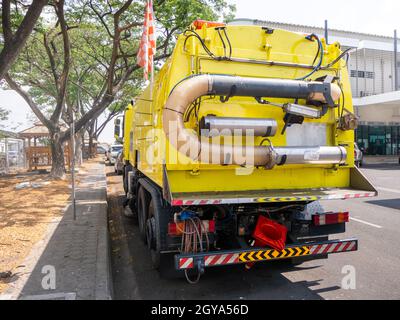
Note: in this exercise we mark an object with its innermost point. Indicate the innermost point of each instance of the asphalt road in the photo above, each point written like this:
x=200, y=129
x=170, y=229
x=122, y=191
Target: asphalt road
x=374, y=221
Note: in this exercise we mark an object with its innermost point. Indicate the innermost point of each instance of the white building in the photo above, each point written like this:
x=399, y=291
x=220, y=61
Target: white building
x=372, y=75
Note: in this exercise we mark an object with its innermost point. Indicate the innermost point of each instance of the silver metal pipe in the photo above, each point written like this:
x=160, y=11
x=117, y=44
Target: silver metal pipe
x=310, y=155
x=188, y=90
x=228, y=126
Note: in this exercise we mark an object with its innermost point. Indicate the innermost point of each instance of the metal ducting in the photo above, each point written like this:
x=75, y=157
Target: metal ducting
x=273, y=88
x=187, y=141
x=213, y=126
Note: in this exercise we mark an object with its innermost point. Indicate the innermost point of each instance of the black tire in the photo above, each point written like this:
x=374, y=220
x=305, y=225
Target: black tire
x=125, y=171
x=159, y=218
x=143, y=200
x=153, y=235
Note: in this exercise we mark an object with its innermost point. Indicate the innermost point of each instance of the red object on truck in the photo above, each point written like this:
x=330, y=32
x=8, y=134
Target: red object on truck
x=269, y=233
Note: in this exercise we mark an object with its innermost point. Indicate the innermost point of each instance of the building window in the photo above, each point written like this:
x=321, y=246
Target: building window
x=362, y=74
x=378, y=140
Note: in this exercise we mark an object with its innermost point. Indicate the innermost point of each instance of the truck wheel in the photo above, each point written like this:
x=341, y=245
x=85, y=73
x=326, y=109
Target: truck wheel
x=125, y=172
x=153, y=235
x=142, y=211
x=157, y=229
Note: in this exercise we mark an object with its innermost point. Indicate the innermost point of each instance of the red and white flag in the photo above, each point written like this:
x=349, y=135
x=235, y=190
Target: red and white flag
x=147, y=48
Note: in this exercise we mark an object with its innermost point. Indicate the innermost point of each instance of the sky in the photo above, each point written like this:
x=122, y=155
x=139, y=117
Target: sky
x=368, y=16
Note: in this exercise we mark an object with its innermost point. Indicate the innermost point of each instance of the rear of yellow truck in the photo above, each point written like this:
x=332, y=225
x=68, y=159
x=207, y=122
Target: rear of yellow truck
x=230, y=151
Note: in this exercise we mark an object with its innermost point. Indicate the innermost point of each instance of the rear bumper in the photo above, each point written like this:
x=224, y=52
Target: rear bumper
x=230, y=257
x=359, y=187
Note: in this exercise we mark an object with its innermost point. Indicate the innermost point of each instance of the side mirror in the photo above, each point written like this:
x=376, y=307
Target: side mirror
x=118, y=128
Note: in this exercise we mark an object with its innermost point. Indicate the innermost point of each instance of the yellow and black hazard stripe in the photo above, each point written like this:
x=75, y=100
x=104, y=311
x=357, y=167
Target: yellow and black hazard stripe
x=288, y=199
x=262, y=255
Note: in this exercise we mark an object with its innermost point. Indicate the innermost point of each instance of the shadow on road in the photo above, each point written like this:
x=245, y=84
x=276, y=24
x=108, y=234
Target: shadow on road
x=388, y=203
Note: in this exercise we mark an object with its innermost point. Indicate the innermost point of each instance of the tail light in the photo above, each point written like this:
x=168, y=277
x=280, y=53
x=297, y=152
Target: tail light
x=330, y=218
x=198, y=24
x=176, y=228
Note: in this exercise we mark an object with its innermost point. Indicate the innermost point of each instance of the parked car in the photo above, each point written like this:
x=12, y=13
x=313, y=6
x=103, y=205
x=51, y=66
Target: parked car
x=358, y=156
x=101, y=150
x=112, y=153
x=119, y=164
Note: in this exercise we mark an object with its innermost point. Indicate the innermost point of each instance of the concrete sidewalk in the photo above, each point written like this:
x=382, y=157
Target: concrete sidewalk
x=73, y=260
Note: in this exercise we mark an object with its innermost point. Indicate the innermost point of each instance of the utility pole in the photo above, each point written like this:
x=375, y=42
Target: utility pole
x=396, y=73
x=73, y=164
x=326, y=31
x=7, y=158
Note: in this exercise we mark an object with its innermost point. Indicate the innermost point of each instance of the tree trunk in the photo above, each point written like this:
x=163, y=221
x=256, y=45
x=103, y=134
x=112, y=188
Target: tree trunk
x=14, y=45
x=57, y=156
x=91, y=155
x=78, y=148
x=91, y=132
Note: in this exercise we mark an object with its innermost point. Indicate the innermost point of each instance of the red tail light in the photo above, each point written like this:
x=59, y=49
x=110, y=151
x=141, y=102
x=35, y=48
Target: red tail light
x=330, y=218
x=176, y=229
x=200, y=23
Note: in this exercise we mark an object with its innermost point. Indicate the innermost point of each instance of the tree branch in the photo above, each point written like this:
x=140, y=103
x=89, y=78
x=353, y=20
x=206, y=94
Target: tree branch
x=13, y=85
x=12, y=49
x=67, y=61
x=6, y=21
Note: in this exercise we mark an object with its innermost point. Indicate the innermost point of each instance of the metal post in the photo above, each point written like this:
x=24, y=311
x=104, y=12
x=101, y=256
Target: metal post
x=73, y=164
x=396, y=74
x=6, y=151
x=326, y=31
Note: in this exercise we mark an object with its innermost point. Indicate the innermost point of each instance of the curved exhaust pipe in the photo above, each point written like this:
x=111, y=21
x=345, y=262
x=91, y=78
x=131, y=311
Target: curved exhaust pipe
x=188, y=142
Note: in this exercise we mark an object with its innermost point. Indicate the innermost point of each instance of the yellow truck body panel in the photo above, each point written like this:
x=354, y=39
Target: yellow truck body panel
x=256, y=53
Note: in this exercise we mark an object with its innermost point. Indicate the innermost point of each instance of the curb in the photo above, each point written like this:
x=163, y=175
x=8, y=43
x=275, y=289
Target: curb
x=104, y=284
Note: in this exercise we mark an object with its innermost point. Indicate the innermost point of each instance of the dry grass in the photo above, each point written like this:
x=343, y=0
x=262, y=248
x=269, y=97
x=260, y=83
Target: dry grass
x=25, y=215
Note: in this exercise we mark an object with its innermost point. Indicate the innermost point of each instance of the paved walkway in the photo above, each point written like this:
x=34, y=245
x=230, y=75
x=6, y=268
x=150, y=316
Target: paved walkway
x=72, y=262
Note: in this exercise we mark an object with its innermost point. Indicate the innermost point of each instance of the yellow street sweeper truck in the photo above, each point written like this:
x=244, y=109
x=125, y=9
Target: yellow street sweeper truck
x=229, y=151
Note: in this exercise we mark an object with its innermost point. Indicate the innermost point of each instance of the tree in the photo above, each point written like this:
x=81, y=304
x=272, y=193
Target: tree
x=89, y=64
x=4, y=114
x=121, y=25
x=54, y=47
x=14, y=41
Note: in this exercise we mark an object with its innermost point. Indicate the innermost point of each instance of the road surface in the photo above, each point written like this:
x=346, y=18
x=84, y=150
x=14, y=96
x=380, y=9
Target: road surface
x=374, y=221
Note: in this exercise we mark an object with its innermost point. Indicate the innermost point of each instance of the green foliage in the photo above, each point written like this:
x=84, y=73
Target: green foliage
x=91, y=29
x=4, y=114
x=18, y=10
